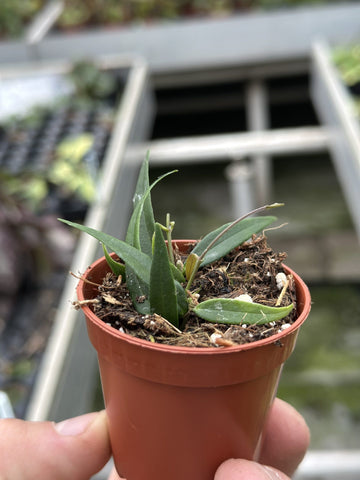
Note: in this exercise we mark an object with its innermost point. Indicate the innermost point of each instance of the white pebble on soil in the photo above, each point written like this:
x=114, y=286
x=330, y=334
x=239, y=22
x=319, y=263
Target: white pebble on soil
x=285, y=326
x=280, y=280
x=214, y=337
x=244, y=298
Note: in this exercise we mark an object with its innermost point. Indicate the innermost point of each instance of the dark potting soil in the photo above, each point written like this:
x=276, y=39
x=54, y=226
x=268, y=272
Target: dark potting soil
x=250, y=269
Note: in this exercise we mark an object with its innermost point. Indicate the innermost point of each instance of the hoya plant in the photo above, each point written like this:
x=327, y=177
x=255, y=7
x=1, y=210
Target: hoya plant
x=159, y=284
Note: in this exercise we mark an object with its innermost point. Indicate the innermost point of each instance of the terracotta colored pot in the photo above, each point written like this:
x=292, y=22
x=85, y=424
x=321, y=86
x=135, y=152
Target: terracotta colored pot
x=176, y=412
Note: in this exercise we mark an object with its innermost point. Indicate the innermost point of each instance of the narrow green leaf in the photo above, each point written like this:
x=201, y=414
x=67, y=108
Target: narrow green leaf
x=176, y=273
x=141, y=226
x=182, y=301
x=231, y=239
x=139, y=262
x=231, y=311
x=139, y=291
x=116, y=267
x=163, y=300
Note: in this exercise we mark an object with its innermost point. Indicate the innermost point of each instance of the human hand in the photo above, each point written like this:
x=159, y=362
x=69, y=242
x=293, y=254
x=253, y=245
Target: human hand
x=79, y=447
x=286, y=439
x=76, y=448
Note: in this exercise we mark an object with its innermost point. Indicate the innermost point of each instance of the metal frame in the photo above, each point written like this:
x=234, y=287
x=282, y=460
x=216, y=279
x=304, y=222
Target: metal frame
x=189, y=47
x=43, y=22
x=333, y=104
x=329, y=465
x=195, y=45
x=231, y=146
x=69, y=365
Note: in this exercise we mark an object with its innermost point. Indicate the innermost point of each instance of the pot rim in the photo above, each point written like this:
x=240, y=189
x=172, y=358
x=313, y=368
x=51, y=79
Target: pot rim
x=304, y=308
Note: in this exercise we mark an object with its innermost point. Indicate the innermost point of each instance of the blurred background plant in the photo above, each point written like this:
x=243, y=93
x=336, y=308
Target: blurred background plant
x=91, y=83
x=15, y=15
x=347, y=60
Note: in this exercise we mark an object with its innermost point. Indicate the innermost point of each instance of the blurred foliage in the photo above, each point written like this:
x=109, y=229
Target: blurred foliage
x=92, y=83
x=16, y=14
x=347, y=61
x=68, y=172
x=70, y=167
x=96, y=12
x=330, y=366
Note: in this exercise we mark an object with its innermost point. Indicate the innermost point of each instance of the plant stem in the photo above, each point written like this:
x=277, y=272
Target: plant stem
x=169, y=229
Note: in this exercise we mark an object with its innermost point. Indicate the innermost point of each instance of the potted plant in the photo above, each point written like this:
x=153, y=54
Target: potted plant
x=189, y=357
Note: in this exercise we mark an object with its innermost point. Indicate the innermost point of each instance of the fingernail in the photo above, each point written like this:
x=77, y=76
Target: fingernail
x=271, y=473
x=75, y=426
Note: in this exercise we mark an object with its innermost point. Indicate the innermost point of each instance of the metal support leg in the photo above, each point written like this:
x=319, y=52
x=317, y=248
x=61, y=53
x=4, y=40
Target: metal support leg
x=257, y=120
x=240, y=175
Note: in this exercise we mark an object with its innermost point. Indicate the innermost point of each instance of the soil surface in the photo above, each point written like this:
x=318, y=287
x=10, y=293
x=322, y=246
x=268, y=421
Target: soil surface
x=249, y=269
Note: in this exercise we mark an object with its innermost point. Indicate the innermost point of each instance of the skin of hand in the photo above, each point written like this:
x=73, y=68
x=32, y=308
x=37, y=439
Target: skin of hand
x=78, y=448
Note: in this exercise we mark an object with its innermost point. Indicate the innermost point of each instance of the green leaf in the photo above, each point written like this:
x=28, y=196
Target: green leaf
x=234, y=312
x=231, y=239
x=116, y=267
x=141, y=226
x=176, y=273
x=139, y=291
x=182, y=301
x=139, y=262
x=163, y=300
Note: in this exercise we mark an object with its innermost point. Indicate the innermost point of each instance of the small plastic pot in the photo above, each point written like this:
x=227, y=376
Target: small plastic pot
x=178, y=412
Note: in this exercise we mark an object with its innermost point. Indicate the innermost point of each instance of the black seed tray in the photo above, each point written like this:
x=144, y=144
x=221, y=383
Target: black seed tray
x=32, y=149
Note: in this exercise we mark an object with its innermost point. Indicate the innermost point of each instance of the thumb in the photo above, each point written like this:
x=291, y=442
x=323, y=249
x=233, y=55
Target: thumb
x=246, y=470
x=76, y=448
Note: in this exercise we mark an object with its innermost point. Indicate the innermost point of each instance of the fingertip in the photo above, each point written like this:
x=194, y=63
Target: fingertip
x=286, y=438
x=239, y=469
x=83, y=443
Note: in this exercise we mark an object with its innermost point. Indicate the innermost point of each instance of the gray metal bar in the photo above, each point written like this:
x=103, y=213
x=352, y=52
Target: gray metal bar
x=210, y=74
x=6, y=410
x=283, y=35
x=330, y=465
x=43, y=22
x=333, y=104
x=258, y=120
x=211, y=148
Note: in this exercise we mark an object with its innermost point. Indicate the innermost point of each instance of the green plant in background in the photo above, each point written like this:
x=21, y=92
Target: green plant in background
x=14, y=14
x=347, y=61
x=91, y=83
x=75, y=13
x=96, y=13
x=163, y=285
x=69, y=169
